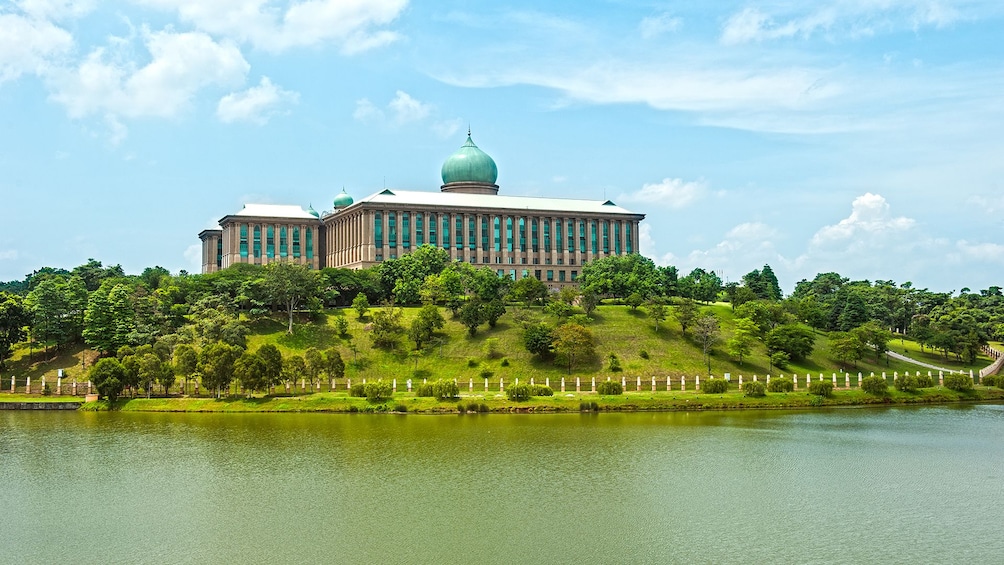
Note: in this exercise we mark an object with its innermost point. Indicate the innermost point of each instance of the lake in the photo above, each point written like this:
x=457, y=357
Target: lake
x=894, y=485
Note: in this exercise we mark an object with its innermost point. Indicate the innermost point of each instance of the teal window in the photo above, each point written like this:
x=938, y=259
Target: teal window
x=508, y=233
x=405, y=230
x=458, y=231
x=270, y=242
x=392, y=229
x=522, y=234
x=310, y=243
x=296, y=243
x=257, y=242
x=472, y=233
x=219, y=252
x=582, y=236
x=575, y=275
x=550, y=276
x=547, y=235
x=557, y=236
x=244, y=240
x=419, y=229
x=627, y=237
x=561, y=276
x=617, y=238
x=571, y=236
x=484, y=233
x=446, y=231
x=378, y=230
x=283, y=242
x=606, y=237
x=594, y=245
x=497, y=233
x=536, y=274
x=534, y=239
x=432, y=229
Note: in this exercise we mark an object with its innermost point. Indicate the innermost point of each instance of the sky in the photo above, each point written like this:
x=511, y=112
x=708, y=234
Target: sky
x=864, y=137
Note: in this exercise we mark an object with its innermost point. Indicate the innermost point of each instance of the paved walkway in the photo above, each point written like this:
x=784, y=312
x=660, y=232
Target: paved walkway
x=902, y=357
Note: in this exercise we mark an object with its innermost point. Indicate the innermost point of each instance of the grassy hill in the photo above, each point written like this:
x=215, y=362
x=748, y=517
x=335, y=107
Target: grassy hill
x=617, y=329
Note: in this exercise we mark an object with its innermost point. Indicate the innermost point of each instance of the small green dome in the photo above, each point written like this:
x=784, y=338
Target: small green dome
x=343, y=200
x=470, y=165
x=312, y=212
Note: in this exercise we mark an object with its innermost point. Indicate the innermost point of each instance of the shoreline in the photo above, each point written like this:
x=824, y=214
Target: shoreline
x=403, y=403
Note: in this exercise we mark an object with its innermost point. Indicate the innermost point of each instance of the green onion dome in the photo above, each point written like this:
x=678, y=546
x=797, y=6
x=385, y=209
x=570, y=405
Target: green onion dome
x=343, y=200
x=470, y=165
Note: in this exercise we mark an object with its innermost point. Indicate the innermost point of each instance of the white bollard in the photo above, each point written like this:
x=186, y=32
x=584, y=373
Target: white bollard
x=697, y=382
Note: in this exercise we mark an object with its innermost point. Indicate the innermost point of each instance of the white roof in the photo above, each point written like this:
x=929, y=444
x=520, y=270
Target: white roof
x=275, y=211
x=493, y=201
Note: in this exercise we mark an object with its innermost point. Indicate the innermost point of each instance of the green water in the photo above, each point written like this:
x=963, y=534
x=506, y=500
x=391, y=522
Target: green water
x=900, y=485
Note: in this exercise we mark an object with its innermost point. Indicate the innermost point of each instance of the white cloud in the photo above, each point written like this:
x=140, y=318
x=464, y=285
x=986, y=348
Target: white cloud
x=672, y=193
x=406, y=109
x=366, y=112
x=256, y=104
x=983, y=252
x=352, y=25
x=181, y=65
x=446, y=128
x=193, y=256
x=55, y=9
x=869, y=221
x=29, y=45
x=8, y=254
x=753, y=25
x=654, y=26
x=744, y=247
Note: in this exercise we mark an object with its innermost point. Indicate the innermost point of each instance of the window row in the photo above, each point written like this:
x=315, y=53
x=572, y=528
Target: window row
x=285, y=248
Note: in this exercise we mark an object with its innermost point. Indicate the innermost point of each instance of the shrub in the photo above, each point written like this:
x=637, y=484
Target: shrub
x=400, y=408
x=754, y=388
x=906, y=383
x=519, y=393
x=643, y=354
x=780, y=359
x=505, y=362
x=425, y=389
x=445, y=390
x=615, y=363
x=715, y=386
x=959, y=382
x=875, y=385
x=924, y=381
x=542, y=390
x=491, y=348
x=992, y=380
x=472, y=363
x=487, y=373
x=47, y=391
x=588, y=407
x=610, y=388
x=473, y=407
x=377, y=391
x=461, y=408
x=358, y=389
x=781, y=384
x=821, y=388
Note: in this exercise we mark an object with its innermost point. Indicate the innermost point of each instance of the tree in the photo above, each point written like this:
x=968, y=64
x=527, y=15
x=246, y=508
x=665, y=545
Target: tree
x=588, y=301
x=403, y=277
x=686, y=313
x=293, y=367
x=528, y=290
x=272, y=357
x=14, y=316
x=794, y=340
x=472, y=315
x=620, y=275
x=657, y=311
x=315, y=365
x=108, y=376
x=216, y=363
x=538, y=339
x=152, y=370
x=847, y=347
x=425, y=325
x=291, y=285
x=743, y=337
x=250, y=369
x=573, y=341
x=341, y=326
x=186, y=362
x=707, y=331
x=634, y=300
x=386, y=328
x=49, y=309
x=493, y=310
x=875, y=337
x=361, y=305
x=334, y=366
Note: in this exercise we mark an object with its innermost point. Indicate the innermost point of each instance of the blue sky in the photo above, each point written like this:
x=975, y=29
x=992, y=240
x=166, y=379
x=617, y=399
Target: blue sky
x=858, y=136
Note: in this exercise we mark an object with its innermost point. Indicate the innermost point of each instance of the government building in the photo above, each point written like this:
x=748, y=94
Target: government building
x=518, y=236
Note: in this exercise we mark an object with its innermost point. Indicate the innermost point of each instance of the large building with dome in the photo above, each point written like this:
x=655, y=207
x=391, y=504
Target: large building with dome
x=518, y=236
